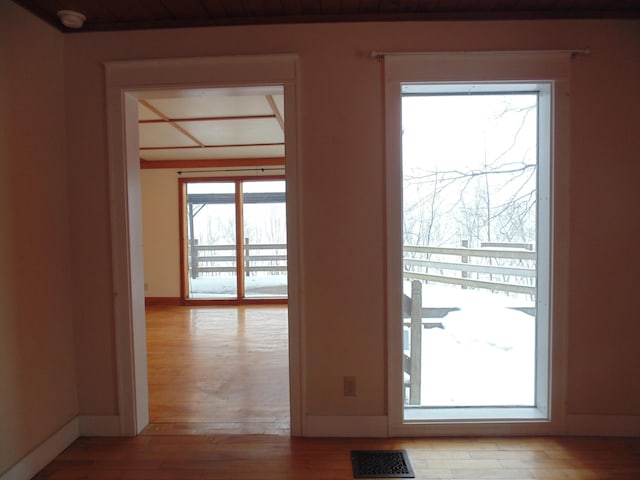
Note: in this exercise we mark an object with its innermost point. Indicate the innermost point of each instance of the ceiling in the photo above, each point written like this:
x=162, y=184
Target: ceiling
x=216, y=127
x=112, y=15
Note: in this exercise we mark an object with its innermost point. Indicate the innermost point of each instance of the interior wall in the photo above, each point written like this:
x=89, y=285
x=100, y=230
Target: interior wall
x=605, y=219
x=343, y=198
x=38, y=392
x=160, y=232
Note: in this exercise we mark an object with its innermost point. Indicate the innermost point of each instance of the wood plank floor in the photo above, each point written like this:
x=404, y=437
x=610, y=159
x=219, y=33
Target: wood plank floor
x=268, y=457
x=215, y=370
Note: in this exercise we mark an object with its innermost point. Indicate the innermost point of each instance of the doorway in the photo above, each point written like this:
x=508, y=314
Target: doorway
x=127, y=82
x=201, y=361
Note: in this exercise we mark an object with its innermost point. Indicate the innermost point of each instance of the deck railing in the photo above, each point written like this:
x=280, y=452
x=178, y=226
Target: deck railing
x=498, y=267
x=504, y=267
x=257, y=257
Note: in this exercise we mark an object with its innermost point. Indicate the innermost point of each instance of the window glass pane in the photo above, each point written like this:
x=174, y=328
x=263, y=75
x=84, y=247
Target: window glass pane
x=469, y=248
x=265, y=239
x=211, y=239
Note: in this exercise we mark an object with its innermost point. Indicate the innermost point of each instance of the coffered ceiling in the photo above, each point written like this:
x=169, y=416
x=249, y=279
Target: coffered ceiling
x=215, y=128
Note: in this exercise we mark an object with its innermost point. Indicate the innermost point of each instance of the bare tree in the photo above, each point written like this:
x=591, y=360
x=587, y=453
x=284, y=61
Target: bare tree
x=493, y=202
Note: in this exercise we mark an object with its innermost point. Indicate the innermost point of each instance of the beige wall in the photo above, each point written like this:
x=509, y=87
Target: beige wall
x=342, y=188
x=37, y=378
x=160, y=232
x=605, y=219
x=341, y=122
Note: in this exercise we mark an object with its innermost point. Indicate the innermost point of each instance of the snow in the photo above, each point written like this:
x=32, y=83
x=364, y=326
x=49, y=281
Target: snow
x=225, y=286
x=484, y=354
x=479, y=359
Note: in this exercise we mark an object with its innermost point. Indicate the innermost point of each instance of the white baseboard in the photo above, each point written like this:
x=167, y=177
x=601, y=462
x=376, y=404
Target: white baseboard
x=40, y=457
x=376, y=426
x=604, y=425
x=99, y=426
x=43, y=454
x=345, y=426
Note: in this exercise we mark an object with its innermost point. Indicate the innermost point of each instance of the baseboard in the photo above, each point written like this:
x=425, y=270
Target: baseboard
x=376, y=426
x=164, y=301
x=345, y=426
x=604, y=425
x=44, y=453
x=99, y=426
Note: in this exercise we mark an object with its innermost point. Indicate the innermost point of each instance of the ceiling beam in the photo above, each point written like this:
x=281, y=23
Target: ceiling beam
x=214, y=163
x=207, y=119
x=276, y=112
x=187, y=147
x=166, y=119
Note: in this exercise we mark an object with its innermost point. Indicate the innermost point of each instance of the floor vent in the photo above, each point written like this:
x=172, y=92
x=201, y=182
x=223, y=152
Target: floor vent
x=381, y=464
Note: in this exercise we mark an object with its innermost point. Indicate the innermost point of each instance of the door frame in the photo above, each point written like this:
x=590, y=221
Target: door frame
x=126, y=82
x=241, y=298
x=478, y=67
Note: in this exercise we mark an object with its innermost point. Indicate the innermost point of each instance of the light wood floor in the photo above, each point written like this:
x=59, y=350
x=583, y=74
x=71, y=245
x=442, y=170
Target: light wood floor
x=217, y=370
x=269, y=457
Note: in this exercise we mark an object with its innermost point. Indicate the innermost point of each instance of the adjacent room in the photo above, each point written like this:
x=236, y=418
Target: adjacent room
x=215, y=255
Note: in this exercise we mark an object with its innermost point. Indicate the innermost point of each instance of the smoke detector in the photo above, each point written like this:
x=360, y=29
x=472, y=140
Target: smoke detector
x=71, y=18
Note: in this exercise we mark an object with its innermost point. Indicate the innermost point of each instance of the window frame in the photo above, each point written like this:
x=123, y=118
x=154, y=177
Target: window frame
x=517, y=68
x=240, y=298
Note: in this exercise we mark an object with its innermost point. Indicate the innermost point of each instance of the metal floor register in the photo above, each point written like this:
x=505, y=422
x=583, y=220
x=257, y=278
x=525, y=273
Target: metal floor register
x=381, y=464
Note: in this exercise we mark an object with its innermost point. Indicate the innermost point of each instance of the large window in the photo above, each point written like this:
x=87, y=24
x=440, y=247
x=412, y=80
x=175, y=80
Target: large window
x=470, y=194
x=470, y=197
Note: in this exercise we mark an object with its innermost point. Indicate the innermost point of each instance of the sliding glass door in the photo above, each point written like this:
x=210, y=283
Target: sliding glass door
x=234, y=239
x=265, y=239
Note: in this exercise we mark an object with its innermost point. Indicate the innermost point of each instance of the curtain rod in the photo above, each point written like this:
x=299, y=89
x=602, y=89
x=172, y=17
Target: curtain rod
x=573, y=52
x=217, y=170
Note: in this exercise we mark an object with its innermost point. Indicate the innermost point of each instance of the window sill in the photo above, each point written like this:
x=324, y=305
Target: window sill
x=473, y=414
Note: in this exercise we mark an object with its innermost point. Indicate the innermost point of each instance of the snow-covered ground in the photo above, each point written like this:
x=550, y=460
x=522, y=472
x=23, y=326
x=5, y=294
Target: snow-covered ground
x=484, y=354
x=225, y=286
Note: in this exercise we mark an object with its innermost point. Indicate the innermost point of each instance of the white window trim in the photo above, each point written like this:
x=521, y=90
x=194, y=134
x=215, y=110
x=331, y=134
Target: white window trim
x=551, y=68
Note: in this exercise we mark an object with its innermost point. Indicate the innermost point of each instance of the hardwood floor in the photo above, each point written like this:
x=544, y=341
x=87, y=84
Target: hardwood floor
x=269, y=457
x=217, y=370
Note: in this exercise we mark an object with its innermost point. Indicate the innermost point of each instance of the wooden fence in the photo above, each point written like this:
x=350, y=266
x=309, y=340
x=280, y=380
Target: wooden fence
x=482, y=268
x=510, y=268
x=257, y=257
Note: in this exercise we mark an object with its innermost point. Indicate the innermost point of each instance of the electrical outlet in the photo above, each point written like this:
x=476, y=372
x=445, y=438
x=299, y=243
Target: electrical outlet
x=349, y=386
